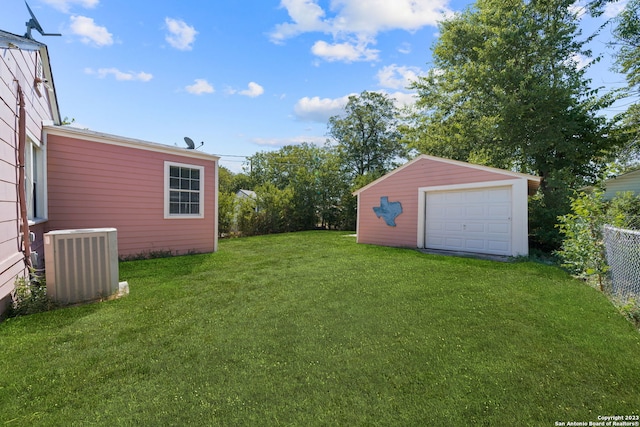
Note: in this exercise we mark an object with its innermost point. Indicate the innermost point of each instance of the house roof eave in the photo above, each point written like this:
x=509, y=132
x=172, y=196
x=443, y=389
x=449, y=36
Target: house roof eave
x=104, y=138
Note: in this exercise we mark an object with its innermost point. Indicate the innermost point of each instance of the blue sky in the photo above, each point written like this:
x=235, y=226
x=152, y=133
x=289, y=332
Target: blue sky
x=242, y=76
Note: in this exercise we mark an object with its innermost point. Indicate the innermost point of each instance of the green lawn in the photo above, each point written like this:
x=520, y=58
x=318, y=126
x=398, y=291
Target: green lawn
x=313, y=329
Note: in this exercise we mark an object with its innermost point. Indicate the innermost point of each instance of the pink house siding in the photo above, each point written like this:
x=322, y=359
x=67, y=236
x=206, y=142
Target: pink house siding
x=17, y=69
x=97, y=181
x=402, y=186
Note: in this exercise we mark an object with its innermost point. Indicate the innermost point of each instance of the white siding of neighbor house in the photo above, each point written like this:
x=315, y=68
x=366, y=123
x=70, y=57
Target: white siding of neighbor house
x=626, y=182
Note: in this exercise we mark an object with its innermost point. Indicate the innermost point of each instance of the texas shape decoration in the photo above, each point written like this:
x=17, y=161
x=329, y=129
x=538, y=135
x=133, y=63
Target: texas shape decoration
x=388, y=210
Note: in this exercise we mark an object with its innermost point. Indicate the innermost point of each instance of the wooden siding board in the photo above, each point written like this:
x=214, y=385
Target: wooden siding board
x=8, y=277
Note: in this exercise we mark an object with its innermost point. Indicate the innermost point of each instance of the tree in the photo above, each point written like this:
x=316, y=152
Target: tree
x=227, y=211
x=368, y=139
x=226, y=201
x=506, y=91
x=627, y=35
x=312, y=175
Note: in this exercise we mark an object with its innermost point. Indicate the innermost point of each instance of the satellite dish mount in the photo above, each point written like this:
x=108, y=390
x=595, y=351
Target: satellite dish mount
x=190, y=143
x=34, y=24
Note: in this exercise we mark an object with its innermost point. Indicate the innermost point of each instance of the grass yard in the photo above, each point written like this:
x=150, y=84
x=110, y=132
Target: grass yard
x=313, y=329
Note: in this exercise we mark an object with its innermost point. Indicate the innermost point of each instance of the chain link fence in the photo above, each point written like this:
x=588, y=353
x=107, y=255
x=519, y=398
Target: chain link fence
x=622, y=250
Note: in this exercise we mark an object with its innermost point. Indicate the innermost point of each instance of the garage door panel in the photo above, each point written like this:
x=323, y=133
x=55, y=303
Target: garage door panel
x=435, y=227
x=453, y=211
x=474, y=245
x=498, y=246
x=499, y=228
x=501, y=211
x=499, y=194
x=454, y=243
x=476, y=227
x=473, y=197
x=475, y=220
x=475, y=211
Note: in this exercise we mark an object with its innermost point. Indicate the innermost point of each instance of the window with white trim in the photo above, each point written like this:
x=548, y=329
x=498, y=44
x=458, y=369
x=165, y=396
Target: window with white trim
x=184, y=190
x=34, y=182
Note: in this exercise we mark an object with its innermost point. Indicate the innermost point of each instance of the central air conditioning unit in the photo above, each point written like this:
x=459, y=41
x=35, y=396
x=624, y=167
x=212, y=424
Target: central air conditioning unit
x=81, y=265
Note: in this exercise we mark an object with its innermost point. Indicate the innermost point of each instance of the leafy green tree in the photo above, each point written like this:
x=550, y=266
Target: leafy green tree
x=367, y=135
x=241, y=181
x=225, y=180
x=227, y=208
x=226, y=201
x=506, y=91
x=313, y=176
x=627, y=36
x=274, y=208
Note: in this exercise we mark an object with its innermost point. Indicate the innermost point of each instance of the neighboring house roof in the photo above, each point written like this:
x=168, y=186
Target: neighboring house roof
x=89, y=135
x=246, y=193
x=629, y=181
x=533, y=182
x=13, y=41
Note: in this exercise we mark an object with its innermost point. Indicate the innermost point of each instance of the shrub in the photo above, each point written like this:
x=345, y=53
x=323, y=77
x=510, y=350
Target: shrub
x=29, y=297
x=582, y=250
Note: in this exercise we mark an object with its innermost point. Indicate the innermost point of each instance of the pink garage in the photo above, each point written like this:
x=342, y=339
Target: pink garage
x=442, y=204
x=160, y=198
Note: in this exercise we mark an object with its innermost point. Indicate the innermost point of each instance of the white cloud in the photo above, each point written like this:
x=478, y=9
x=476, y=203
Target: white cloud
x=181, y=36
x=397, y=77
x=253, y=90
x=306, y=15
x=201, y=86
x=318, y=109
x=374, y=16
x=120, y=75
x=359, y=17
x=89, y=32
x=403, y=99
x=345, y=52
x=65, y=5
x=356, y=19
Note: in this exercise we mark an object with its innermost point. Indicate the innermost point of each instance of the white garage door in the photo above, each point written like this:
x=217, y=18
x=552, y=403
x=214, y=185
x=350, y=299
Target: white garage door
x=476, y=220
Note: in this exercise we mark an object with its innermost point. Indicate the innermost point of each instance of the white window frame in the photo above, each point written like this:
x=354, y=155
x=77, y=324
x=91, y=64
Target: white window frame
x=167, y=189
x=35, y=172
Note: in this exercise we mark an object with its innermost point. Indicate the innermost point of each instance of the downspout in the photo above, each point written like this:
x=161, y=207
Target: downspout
x=22, y=193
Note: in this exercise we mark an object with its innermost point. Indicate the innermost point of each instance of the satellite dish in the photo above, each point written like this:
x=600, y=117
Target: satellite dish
x=190, y=144
x=34, y=24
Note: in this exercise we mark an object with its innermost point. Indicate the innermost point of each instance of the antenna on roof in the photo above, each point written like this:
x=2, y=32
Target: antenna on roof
x=190, y=144
x=34, y=24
